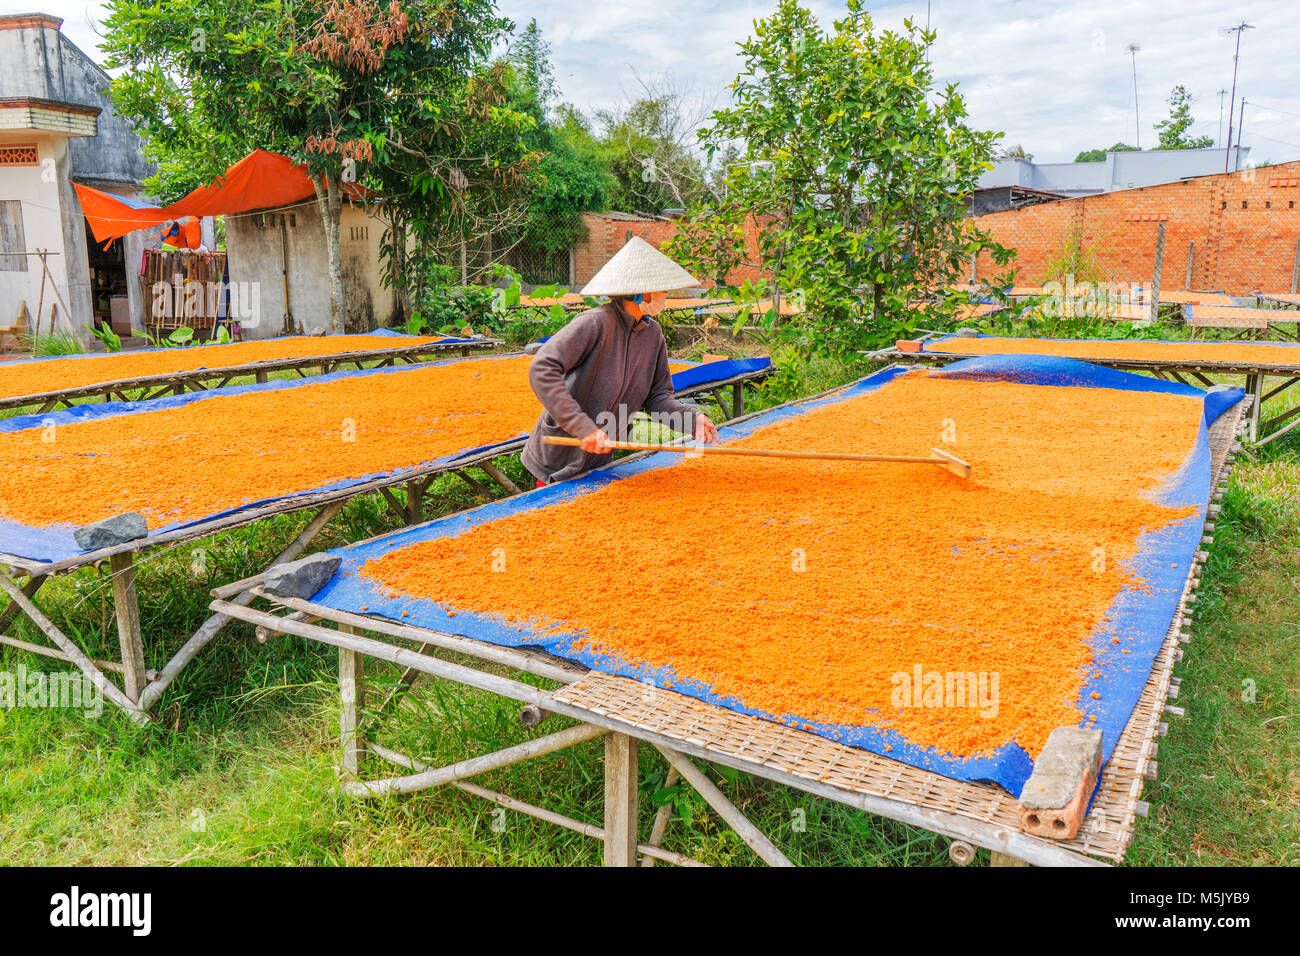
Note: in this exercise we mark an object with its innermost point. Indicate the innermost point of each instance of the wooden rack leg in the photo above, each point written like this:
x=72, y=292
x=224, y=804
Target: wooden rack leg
x=478, y=489
x=661, y=817
x=497, y=475
x=1255, y=386
x=213, y=625
x=13, y=610
x=72, y=653
x=737, y=399
x=754, y=837
x=647, y=850
x=621, y=774
x=127, y=607
x=727, y=413
x=352, y=667
x=415, y=500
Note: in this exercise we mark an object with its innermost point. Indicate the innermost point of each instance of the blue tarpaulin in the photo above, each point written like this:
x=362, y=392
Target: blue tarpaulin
x=56, y=542
x=1145, y=616
x=1282, y=347
x=213, y=350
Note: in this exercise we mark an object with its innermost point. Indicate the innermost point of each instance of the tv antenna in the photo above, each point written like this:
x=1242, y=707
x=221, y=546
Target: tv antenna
x=1132, y=50
x=1239, y=29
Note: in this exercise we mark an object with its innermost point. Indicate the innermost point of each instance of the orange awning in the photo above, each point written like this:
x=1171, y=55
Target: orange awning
x=261, y=180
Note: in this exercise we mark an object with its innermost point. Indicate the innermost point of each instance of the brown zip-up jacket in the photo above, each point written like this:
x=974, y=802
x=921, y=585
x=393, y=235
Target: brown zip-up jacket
x=594, y=365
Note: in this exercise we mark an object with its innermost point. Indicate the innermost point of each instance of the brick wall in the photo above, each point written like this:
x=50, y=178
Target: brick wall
x=1243, y=228
x=606, y=236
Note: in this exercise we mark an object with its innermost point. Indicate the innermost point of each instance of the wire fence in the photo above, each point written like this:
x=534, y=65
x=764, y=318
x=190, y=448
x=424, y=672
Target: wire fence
x=540, y=259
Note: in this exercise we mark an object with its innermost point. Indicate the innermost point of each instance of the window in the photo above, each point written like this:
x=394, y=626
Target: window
x=12, y=239
x=19, y=155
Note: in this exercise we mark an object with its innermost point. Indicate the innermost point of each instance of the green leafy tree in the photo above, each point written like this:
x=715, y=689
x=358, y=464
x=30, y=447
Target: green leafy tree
x=1173, y=131
x=1099, y=155
x=856, y=170
x=349, y=87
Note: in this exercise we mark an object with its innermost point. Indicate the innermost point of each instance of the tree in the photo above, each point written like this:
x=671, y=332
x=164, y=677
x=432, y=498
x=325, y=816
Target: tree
x=349, y=87
x=855, y=169
x=572, y=176
x=1173, y=131
x=1015, y=152
x=649, y=144
x=1099, y=155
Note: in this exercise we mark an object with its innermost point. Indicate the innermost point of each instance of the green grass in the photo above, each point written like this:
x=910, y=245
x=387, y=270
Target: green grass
x=239, y=767
x=1229, y=789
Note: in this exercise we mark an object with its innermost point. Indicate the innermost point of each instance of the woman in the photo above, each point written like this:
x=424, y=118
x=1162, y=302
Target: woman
x=606, y=365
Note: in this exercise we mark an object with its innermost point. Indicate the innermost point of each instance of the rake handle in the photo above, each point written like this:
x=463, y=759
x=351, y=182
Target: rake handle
x=754, y=452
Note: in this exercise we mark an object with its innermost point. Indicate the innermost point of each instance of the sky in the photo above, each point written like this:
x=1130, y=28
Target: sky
x=1053, y=75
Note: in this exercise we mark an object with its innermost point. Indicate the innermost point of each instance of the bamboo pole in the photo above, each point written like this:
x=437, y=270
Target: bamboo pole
x=989, y=835
x=500, y=477
x=754, y=838
x=56, y=654
x=621, y=778
x=938, y=457
x=40, y=302
x=394, y=655
x=662, y=815
x=436, y=777
x=30, y=588
x=210, y=628
x=129, y=638
x=651, y=851
x=352, y=698
x=75, y=654
x=529, y=662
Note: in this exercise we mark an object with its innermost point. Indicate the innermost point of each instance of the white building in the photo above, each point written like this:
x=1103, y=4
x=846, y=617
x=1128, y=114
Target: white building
x=283, y=250
x=1125, y=169
x=57, y=125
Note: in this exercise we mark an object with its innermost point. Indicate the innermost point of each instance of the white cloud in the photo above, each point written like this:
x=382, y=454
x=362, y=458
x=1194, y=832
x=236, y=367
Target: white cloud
x=1053, y=75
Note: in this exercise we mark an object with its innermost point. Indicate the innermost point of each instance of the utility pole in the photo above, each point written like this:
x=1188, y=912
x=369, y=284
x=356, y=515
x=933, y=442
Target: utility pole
x=1219, y=139
x=1132, y=49
x=1239, y=29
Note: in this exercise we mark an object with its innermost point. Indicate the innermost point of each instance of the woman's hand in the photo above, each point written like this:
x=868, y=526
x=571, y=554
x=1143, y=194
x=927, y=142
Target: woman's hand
x=706, y=433
x=597, y=443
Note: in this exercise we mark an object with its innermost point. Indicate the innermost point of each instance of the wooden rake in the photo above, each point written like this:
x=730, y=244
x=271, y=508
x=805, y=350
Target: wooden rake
x=937, y=456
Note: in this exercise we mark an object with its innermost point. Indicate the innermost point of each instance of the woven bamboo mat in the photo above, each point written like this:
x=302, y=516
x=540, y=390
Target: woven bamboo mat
x=1106, y=831
x=1227, y=317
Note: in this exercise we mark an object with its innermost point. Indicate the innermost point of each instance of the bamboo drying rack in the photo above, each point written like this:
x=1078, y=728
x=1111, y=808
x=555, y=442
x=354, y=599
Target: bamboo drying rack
x=627, y=713
x=1259, y=431
x=21, y=577
x=146, y=387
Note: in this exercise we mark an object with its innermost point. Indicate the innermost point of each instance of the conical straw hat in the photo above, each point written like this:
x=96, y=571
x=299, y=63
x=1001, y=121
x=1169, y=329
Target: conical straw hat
x=639, y=267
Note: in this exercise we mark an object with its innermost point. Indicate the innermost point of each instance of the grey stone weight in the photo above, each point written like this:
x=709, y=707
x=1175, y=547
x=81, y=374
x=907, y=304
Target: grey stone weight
x=109, y=532
x=301, y=578
x=967, y=333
